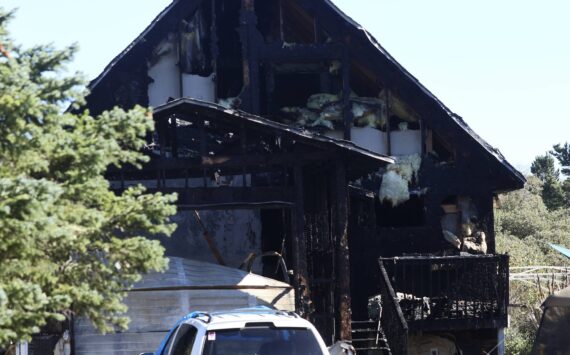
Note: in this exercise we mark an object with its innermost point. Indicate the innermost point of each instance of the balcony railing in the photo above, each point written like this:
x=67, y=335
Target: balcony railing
x=392, y=319
x=453, y=292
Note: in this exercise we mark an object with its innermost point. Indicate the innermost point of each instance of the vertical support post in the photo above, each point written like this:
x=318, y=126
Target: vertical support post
x=501, y=341
x=250, y=40
x=203, y=151
x=281, y=31
x=503, y=278
x=215, y=50
x=22, y=348
x=490, y=224
x=243, y=143
x=342, y=254
x=269, y=90
x=423, y=131
x=299, y=244
x=180, y=73
x=347, y=112
x=161, y=137
x=173, y=138
x=388, y=128
x=316, y=29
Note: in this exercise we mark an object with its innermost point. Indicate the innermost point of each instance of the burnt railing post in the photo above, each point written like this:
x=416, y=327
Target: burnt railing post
x=392, y=319
x=503, y=285
x=451, y=292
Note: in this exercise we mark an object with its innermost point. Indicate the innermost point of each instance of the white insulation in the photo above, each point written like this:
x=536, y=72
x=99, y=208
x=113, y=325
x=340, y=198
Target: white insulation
x=394, y=188
x=397, y=178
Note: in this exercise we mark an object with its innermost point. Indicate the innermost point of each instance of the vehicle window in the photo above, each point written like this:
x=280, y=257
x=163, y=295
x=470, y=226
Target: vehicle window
x=168, y=344
x=261, y=341
x=184, y=340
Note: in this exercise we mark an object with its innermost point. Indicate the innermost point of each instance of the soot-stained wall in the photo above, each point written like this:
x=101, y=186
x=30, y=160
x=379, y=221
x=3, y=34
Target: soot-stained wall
x=235, y=232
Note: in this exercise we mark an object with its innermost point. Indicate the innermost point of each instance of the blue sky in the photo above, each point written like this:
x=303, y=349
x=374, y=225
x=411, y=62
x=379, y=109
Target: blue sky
x=502, y=65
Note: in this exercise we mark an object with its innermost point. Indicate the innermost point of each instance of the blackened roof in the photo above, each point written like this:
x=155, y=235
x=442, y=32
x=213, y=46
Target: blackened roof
x=166, y=21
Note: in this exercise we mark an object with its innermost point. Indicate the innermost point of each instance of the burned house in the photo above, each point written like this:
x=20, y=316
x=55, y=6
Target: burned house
x=296, y=136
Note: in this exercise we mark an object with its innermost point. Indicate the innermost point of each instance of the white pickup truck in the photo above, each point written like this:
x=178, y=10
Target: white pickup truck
x=250, y=331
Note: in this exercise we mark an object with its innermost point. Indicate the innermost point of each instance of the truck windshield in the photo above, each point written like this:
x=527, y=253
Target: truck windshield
x=261, y=341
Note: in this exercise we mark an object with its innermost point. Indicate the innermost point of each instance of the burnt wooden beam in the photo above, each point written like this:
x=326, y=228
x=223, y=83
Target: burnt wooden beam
x=251, y=40
x=327, y=19
x=203, y=151
x=457, y=324
x=340, y=233
x=425, y=140
x=243, y=150
x=346, y=107
x=174, y=137
x=226, y=197
x=388, y=99
x=299, y=244
x=161, y=128
x=231, y=161
x=280, y=52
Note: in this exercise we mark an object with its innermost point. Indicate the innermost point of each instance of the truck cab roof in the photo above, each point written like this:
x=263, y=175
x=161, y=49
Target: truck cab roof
x=259, y=327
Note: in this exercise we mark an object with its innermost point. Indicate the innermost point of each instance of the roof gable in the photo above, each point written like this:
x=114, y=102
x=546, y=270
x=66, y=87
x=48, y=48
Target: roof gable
x=379, y=58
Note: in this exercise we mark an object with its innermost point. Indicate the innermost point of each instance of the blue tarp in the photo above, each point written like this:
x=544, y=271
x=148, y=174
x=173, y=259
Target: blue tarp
x=564, y=251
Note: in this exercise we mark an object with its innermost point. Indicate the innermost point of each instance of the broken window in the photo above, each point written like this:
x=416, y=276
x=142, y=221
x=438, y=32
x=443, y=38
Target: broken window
x=408, y=214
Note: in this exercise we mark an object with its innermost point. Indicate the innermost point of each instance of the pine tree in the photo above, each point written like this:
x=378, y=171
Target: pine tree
x=543, y=167
x=562, y=153
x=68, y=243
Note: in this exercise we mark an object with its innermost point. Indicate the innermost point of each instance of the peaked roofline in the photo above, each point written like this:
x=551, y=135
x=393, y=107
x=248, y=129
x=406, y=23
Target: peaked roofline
x=455, y=117
x=182, y=7
x=139, y=40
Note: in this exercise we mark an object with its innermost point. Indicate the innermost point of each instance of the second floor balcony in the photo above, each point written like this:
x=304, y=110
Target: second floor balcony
x=449, y=292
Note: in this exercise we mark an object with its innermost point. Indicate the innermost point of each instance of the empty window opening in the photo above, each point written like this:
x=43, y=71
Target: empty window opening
x=439, y=147
x=229, y=61
x=408, y=214
x=294, y=89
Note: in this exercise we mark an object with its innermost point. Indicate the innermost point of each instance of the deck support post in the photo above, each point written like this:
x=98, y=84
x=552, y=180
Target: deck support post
x=299, y=246
x=340, y=230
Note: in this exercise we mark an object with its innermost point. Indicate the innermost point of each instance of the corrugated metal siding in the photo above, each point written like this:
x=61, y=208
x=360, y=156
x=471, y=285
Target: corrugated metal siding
x=159, y=300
